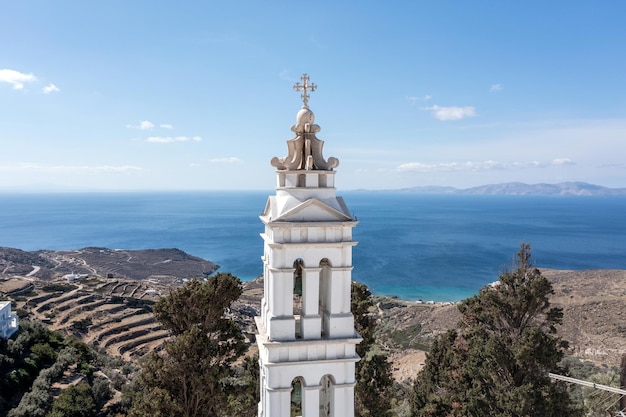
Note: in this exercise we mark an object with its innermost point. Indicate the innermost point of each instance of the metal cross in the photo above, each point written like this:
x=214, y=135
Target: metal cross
x=304, y=87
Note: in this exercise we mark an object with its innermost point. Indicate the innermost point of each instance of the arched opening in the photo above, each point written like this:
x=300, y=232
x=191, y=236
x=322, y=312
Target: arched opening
x=297, y=293
x=296, y=397
x=325, y=293
x=326, y=395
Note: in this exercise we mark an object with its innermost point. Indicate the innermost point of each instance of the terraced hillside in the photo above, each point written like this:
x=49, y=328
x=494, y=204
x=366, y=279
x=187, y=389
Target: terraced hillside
x=115, y=315
x=110, y=306
x=111, y=314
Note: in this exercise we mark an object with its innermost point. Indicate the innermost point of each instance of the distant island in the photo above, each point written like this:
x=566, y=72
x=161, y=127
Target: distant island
x=520, y=188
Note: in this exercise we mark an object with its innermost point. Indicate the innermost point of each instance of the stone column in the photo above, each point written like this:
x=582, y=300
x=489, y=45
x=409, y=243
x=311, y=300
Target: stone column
x=342, y=400
x=311, y=401
x=311, y=321
x=278, y=402
x=280, y=324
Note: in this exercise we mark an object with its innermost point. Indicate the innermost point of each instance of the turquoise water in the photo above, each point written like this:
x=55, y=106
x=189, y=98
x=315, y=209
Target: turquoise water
x=430, y=247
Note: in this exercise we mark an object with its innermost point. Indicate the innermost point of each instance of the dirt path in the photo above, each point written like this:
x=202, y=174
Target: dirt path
x=405, y=365
x=34, y=271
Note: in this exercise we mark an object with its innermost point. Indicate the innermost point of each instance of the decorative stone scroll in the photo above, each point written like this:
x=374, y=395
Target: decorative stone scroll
x=305, y=150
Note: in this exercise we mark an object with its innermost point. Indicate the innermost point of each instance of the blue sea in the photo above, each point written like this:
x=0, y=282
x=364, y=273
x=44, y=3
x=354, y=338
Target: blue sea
x=414, y=246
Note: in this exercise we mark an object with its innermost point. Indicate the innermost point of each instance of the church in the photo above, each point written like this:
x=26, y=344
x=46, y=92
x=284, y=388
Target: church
x=306, y=335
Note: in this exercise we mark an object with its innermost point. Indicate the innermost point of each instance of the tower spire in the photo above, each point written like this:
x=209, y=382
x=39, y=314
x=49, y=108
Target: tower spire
x=305, y=150
x=304, y=87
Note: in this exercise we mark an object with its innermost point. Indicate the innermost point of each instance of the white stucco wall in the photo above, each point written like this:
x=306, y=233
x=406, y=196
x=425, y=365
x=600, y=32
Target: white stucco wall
x=308, y=235
x=8, y=320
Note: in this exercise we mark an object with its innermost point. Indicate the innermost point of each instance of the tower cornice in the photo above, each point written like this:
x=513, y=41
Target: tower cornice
x=290, y=224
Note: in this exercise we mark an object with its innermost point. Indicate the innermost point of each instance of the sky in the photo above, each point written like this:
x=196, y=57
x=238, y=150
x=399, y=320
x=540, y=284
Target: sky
x=157, y=95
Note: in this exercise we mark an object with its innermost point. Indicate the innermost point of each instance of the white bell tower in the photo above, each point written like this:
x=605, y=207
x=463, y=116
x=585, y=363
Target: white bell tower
x=306, y=334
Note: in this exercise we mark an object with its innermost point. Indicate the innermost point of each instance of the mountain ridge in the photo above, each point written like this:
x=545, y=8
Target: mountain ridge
x=570, y=188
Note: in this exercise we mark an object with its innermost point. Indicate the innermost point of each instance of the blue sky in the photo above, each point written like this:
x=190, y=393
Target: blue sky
x=158, y=95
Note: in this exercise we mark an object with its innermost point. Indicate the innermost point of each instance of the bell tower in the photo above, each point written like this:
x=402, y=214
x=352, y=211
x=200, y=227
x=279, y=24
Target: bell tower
x=306, y=334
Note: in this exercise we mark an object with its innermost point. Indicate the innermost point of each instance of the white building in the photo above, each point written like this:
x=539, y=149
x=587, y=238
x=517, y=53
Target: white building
x=8, y=320
x=306, y=334
x=74, y=277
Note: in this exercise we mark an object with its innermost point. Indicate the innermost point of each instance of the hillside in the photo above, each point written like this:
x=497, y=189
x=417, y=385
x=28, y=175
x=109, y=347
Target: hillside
x=162, y=264
x=115, y=313
x=594, y=319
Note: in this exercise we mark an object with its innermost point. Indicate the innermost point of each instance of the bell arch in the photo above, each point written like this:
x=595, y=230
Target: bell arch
x=306, y=299
x=295, y=398
x=327, y=384
x=298, y=291
x=298, y=264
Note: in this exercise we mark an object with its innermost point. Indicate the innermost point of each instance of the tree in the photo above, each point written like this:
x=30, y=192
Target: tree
x=373, y=391
x=244, y=394
x=361, y=304
x=35, y=402
x=497, y=362
x=74, y=401
x=101, y=389
x=188, y=377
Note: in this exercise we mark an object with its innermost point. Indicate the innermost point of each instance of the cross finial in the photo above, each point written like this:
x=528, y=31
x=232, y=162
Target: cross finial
x=304, y=87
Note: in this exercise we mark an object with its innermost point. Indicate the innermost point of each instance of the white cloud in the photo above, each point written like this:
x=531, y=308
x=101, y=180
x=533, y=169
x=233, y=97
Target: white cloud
x=563, y=161
x=16, y=78
x=143, y=125
x=414, y=99
x=228, y=160
x=473, y=166
x=495, y=88
x=170, y=139
x=51, y=88
x=70, y=168
x=452, y=112
x=148, y=125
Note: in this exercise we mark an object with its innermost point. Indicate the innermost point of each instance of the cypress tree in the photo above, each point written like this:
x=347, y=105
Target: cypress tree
x=497, y=362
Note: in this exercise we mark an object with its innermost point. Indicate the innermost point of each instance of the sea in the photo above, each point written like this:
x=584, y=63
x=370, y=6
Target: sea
x=413, y=246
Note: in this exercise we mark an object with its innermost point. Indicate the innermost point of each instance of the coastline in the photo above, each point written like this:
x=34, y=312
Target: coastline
x=439, y=248
x=174, y=264
x=593, y=301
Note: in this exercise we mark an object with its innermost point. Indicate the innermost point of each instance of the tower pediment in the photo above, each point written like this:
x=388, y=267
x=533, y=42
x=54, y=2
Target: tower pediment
x=311, y=210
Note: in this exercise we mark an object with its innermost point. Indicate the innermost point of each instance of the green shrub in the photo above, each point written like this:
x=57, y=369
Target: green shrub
x=58, y=287
x=74, y=401
x=82, y=326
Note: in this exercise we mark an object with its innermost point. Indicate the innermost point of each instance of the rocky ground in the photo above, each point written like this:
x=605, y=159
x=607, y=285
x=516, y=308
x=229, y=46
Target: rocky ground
x=594, y=320
x=161, y=264
x=110, y=307
x=594, y=312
